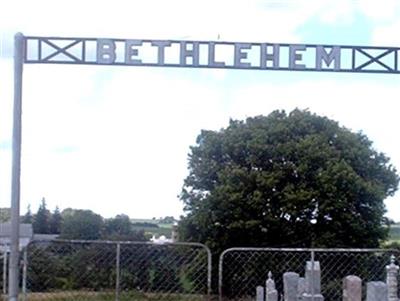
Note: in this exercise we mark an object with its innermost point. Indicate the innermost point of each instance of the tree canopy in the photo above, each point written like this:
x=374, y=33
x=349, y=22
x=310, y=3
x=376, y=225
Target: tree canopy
x=41, y=221
x=5, y=215
x=120, y=228
x=294, y=179
x=87, y=225
x=27, y=218
x=81, y=224
x=55, y=221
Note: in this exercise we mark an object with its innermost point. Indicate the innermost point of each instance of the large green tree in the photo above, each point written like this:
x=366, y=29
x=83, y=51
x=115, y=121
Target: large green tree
x=81, y=224
x=120, y=228
x=5, y=215
x=28, y=217
x=41, y=221
x=55, y=221
x=294, y=179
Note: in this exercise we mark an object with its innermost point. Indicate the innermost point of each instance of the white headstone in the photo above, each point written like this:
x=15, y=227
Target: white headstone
x=312, y=282
x=302, y=286
x=392, y=272
x=352, y=288
x=377, y=291
x=271, y=294
x=290, y=286
x=313, y=277
x=260, y=293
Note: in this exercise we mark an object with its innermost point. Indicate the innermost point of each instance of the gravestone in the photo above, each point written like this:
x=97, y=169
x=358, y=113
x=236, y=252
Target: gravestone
x=352, y=288
x=260, y=293
x=377, y=291
x=290, y=286
x=313, y=282
x=313, y=277
x=302, y=286
x=392, y=271
x=271, y=294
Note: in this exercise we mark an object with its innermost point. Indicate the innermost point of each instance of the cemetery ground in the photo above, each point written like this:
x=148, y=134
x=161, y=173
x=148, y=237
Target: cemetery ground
x=108, y=296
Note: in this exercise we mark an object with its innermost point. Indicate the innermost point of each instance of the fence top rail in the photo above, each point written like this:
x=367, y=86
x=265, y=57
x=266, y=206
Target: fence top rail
x=112, y=242
x=354, y=250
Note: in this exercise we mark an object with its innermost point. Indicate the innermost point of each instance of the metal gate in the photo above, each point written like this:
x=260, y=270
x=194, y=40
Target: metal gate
x=106, y=270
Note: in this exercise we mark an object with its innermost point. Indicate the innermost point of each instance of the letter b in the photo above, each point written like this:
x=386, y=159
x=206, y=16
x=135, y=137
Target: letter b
x=105, y=51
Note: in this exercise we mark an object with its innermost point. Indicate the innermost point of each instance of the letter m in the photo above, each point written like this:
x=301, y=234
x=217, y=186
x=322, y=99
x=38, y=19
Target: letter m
x=323, y=56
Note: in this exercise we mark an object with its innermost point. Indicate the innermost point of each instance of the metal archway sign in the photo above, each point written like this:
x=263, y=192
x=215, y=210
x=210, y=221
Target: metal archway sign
x=175, y=53
x=210, y=54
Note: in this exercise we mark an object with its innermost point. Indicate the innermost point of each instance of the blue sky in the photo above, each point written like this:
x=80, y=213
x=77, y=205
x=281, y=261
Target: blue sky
x=104, y=138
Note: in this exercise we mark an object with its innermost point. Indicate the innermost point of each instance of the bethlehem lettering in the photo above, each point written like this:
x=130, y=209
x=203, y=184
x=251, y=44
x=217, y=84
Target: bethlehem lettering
x=205, y=54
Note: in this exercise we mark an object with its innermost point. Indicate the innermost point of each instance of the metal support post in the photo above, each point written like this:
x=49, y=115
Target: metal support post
x=117, y=272
x=24, y=273
x=5, y=259
x=312, y=274
x=13, y=284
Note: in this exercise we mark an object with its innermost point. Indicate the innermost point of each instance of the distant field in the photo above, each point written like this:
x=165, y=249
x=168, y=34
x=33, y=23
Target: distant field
x=152, y=221
x=154, y=227
x=154, y=231
x=144, y=220
x=394, y=234
x=160, y=228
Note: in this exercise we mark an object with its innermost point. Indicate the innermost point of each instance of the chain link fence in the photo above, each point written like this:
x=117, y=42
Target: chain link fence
x=3, y=272
x=98, y=270
x=241, y=270
x=92, y=270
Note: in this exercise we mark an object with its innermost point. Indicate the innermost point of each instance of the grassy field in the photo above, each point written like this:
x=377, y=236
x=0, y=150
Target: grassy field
x=152, y=227
x=158, y=228
x=394, y=234
x=109, y=296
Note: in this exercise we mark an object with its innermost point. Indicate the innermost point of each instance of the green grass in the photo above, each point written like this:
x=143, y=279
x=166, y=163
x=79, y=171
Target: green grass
x=151, y=221
x=158, y=230
x=143, y=220
x=110, y=296
x=394, y=233
x=149, y=231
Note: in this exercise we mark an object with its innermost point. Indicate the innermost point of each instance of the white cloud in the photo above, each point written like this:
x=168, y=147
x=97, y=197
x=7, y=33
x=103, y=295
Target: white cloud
x=387, y=34
x=384, y=15
x=175, y=19
x=5, y=163
x=129, y=150
x=5, y=132
x=384, y=10
x=337, y=11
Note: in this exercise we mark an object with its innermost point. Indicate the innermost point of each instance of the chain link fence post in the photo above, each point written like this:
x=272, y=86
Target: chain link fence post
x=312, y=274
x=117, y=272
x=220, y=274
x=24, y=273
x=5, y=260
